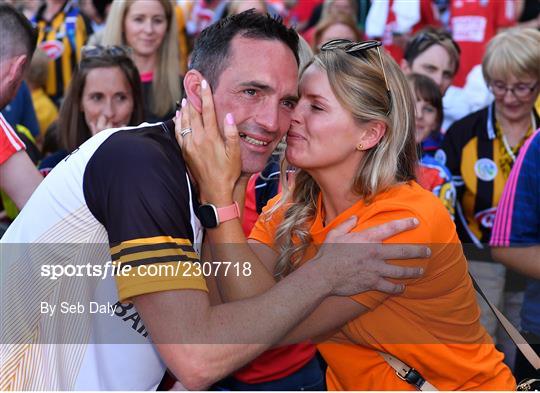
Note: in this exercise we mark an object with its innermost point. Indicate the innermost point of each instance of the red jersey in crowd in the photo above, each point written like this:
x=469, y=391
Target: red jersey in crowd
x=10, y=143
x=473, y=24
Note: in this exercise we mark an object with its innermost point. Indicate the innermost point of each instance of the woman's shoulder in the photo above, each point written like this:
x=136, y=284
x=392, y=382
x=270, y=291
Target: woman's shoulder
x=408, y=200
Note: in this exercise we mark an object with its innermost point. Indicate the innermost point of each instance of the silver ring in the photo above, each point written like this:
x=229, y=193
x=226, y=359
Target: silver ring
x=185, y=131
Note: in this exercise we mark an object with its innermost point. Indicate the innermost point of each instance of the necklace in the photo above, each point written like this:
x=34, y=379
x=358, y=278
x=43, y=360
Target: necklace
x=507, y=145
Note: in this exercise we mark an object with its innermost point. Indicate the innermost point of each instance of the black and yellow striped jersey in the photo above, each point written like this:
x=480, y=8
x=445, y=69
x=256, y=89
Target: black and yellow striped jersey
x=122, y=199
x=61, y=38
x=471, y=149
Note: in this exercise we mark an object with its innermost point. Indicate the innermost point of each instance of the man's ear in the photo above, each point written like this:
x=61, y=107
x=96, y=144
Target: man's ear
x=405, y=67
x=192, y=87
x=373, y=131
x=17, y=67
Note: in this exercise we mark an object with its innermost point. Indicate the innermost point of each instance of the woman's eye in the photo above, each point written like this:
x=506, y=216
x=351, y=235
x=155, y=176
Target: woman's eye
x=96, y=97
x=316, y=108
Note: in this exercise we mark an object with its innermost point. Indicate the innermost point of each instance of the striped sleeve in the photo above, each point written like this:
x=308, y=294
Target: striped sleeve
x=10, y=143
x=142, y=197
x=518, y=214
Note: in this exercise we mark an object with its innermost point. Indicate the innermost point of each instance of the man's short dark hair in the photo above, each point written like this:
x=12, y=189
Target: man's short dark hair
x=425, y=39
x=212, y=48
x=16, y=32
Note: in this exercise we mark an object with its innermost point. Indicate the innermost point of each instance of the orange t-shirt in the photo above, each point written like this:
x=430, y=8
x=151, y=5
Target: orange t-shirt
x=433, y=326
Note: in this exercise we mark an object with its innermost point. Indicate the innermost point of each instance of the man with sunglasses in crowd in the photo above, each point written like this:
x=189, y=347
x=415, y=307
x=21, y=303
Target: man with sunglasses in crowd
x=432, y=52
x=128, y=189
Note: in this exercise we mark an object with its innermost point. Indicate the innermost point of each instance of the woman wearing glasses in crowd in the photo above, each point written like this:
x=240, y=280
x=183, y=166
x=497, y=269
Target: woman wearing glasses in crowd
x=149, y=28
x=105, y=92
x=352, y=140
x=480, y=151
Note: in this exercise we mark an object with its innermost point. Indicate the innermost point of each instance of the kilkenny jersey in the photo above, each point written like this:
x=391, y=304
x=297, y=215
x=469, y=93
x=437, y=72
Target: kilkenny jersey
x=472, y=152
x=61, y=38
x=122, y=199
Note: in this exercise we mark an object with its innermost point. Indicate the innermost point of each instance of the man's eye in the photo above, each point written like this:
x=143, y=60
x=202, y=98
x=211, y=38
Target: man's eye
x=289, y=104
x=250, y=92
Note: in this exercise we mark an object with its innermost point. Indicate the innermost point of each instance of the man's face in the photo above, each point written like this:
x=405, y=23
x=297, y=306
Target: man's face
x=435, y=63
x=259, y=87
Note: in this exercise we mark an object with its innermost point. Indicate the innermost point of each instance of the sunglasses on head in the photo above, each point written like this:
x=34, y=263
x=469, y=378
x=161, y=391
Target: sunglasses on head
x=355, y=49
x=90, y=51
x=428, y=38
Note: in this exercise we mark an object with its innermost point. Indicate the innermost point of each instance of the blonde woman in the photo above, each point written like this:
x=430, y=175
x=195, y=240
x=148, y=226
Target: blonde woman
x=352, y=137
x=149, y=28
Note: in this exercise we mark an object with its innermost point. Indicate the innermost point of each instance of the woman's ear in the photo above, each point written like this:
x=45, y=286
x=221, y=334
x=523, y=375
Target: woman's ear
x=372, y=134
x=192, y=87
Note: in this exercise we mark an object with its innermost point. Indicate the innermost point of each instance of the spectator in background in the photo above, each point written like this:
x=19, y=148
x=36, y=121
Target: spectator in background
x=149, y=28
x=331, y=9
x=105, y=93
x=336, y=26
x=18, y=176
x=433, y=53
x=20, y=111
x=36, y=78
x=473, y=24
x=62, y=32
x=480, y=151
x=96, y=11
x=431, y=174
x=394, y=21
x=516, y=242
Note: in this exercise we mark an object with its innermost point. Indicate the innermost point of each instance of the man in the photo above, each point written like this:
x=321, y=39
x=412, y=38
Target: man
x=18, y=176
x=516, y=242
x=128, y=188
x=433, y=53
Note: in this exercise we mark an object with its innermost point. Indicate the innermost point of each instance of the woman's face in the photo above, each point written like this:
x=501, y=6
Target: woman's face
x=107, y=99
x=322, y=134
x=337, y=30
x=426, y=119
x=145, y=26
x=509, y=106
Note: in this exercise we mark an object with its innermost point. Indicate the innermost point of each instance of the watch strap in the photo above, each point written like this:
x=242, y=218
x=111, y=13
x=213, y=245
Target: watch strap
x=227, y=213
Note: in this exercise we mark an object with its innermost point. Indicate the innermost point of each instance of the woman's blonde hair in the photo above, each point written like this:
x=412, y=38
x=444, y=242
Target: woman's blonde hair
x=512, y=52
x=359, y=85
x=166, y=88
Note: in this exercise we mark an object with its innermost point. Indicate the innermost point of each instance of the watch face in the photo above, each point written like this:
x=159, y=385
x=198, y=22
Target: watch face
x=208, y=216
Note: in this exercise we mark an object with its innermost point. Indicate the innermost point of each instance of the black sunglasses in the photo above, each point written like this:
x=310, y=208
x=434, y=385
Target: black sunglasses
x=428, y=38
x=90, y=51
x=355, y=49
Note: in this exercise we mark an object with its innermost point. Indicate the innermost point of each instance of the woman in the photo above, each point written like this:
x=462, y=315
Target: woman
x=352, y=138
x=149, y=28
x=480, y=150
x=335, y=26
x=105, y=93
x=431, y=174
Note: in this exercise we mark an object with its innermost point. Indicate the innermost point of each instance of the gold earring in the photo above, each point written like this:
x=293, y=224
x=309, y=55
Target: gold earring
x=359, y=147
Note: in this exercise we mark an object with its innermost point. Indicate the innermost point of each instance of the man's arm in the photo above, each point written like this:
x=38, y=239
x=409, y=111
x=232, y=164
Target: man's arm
x=218, y=340
x=525, y=260
x=19, y=178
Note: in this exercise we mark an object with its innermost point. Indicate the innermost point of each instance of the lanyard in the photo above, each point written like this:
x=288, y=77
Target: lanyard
x=507, y=145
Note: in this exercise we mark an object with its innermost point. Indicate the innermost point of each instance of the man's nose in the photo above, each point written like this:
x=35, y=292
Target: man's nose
x=268, y=117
